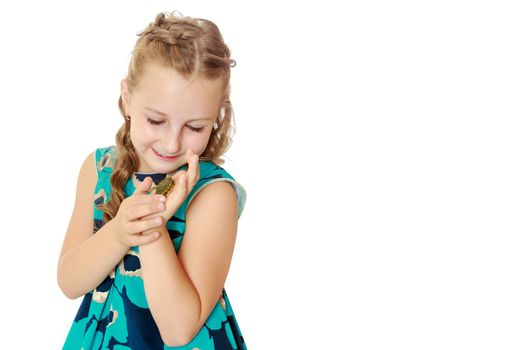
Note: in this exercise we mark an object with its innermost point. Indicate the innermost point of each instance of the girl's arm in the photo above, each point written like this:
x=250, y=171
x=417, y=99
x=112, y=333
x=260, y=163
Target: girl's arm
x=83, y=267
x=183, y=289
x=87, y=259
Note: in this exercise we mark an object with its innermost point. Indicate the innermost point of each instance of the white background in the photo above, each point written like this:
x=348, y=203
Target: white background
x=381, y=145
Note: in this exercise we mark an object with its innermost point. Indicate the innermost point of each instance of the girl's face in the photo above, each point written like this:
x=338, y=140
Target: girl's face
x=170, y=114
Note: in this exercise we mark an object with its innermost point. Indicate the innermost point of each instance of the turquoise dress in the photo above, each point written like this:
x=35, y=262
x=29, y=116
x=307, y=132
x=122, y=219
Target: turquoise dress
x=115, y=315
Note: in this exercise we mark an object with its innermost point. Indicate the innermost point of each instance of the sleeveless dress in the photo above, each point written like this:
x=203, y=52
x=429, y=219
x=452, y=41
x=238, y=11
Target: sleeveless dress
x=115, y=315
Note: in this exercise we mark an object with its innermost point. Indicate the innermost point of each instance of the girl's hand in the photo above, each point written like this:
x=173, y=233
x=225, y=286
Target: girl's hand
x=184, y=183
x=130, y=225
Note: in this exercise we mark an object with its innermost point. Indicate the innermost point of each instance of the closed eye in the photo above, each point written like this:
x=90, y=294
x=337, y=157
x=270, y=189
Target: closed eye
x=194, y=129
x=156, y=122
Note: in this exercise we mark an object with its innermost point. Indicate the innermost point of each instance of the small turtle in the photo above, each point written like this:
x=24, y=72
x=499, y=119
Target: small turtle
x=165, y=186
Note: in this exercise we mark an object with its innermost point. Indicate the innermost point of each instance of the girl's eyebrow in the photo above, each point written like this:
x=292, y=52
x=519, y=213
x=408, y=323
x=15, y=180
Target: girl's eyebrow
x=166, y=116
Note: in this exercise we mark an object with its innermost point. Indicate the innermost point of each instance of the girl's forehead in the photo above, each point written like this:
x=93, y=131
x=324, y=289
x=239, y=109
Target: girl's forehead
x=164, y=88
x=157, y=79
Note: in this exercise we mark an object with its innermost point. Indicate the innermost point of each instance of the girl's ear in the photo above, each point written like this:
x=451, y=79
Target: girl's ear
x=125, y=95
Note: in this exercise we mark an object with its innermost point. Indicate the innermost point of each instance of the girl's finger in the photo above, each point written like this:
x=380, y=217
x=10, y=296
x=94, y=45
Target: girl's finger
x=140, y=211
x=177, y=177
x=144, y=186
x=197, y=171
x=184, y=190
x=144, y=225
x=179, y=193
x=141, y=199
x=193, y=167
x=188, y=155
x=145, y=238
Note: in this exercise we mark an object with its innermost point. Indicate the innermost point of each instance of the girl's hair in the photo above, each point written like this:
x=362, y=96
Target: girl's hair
x=195, y=48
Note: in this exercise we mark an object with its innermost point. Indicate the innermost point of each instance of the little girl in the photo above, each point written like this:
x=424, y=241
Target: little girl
x=152, y=266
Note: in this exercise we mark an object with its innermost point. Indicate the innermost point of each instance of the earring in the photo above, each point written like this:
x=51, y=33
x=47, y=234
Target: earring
x=127, y=117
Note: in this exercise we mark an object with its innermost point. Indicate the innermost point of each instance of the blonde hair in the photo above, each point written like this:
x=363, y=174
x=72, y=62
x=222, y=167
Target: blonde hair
x=195, y=48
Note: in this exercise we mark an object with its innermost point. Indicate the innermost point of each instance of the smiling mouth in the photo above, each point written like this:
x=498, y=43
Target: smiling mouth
x=163, y=156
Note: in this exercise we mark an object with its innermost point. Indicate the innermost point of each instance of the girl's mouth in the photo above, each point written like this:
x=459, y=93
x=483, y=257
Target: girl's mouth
x=161, y=156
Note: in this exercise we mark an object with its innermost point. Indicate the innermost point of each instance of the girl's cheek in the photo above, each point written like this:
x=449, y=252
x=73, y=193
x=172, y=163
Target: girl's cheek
x=149, y=133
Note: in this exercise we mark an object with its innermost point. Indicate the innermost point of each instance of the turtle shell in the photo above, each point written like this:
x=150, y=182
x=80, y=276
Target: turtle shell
x=165, y=186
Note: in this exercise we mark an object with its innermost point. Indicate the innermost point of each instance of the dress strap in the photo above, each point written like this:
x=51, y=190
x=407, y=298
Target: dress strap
x=104, y=160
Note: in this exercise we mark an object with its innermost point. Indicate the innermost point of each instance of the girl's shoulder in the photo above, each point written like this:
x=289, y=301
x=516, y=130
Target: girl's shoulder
x=209, y=173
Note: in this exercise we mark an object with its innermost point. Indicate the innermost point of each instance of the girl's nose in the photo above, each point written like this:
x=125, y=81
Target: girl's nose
x=172, y=142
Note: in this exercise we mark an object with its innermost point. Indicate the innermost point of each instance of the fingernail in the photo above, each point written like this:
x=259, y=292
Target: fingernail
x=162, y=199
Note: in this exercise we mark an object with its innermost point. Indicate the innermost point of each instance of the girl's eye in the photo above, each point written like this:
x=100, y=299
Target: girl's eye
x=194, y=129
x=156, y=122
